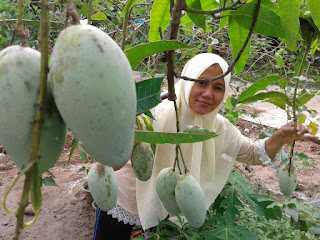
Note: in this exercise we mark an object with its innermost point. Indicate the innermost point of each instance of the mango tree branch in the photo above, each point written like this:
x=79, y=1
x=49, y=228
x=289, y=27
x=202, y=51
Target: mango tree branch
x=173, y=35
x=233, y=6
x=36, y=129
x=255, y=17
x=72, y=12
x=19, y=24
x=304, y=56
x=89, y=11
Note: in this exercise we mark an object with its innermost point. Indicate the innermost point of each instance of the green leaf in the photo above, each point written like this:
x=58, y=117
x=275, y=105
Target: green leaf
x=137, y=53
x=314, y=11
x=99, y=16
x=35, y=191
x=147, y=123
x=289, y=15
x=258, y=85
x=277, y=98
x=73, y=147
x=268, y=22
x=304, y=97
x=279, y=60
x=271, y=5
x=48, y=181
x=198, y=19
x=173, y=138
x=148, y=94
x=159, y=18
x=227, y=230
x=208, y=5
x=238, y=36
x=128, y=6
x=83, y=156
x=224, y=21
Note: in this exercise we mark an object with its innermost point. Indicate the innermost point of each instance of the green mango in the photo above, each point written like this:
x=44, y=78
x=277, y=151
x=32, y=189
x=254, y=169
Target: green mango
x=103, y=186
x=19, y=84
x=287, y=183
x=142, y=159
x=93, y=87
x=165, y=186
x=191, y=200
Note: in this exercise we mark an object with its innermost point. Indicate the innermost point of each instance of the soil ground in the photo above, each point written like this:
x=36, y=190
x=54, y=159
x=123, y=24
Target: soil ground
x=66, y=215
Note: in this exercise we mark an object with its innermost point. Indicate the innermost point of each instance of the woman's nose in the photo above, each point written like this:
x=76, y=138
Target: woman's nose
x=207, y=92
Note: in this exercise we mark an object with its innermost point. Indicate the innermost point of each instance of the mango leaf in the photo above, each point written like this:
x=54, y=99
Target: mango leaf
x=304, y=97
x=289, y=15
x=224, y=21
x=314, y=11
x=148, y=94
x=258, y=85
x=198, y=19
x=149, y=114
x=208, y=5
x=238, y=36
x=35, y=191
x=268, y=22
x=159, y=17
x=48, y=181
x=173, y=138
x=73, y=147
x=99, y=16
x=271, y=5
x=128, y=6
x=137, y=53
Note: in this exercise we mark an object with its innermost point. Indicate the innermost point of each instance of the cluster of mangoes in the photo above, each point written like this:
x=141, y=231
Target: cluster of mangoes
x=182, y=194
x=91, y=91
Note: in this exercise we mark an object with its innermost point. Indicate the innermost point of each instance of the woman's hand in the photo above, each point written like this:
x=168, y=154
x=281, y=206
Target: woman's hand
x=286, y=132
x=284, y=135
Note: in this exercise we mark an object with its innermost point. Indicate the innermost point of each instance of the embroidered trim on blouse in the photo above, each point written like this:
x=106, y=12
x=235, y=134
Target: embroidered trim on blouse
x=124, y=216
x=264, y=158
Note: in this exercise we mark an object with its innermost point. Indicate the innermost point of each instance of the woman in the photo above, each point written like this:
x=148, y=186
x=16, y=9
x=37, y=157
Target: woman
x=211, y=161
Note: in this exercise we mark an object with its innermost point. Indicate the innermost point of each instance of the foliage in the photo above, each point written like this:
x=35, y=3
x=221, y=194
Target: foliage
x=240, y=213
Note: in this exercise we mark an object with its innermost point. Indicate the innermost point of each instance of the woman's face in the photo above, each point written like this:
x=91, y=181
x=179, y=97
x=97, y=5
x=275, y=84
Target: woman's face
x=205, y=97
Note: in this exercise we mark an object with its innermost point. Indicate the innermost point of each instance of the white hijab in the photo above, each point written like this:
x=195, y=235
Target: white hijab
x=210, y=162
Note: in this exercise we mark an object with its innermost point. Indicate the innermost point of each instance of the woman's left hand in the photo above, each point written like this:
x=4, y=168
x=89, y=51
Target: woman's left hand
x=285, y=133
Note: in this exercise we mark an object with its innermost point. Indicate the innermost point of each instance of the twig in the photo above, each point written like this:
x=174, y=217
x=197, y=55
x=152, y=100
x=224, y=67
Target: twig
x=89, y=11
x=255, y=17
x=36, y=129
x=294, y=106
x=19, y=25
x=72, y=12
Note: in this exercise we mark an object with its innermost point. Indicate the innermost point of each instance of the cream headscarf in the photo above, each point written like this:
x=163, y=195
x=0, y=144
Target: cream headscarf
x=210, y=162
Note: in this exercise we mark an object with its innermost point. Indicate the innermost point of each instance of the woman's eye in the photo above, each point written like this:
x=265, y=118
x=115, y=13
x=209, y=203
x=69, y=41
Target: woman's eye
x=202, y=83
x=218, y=88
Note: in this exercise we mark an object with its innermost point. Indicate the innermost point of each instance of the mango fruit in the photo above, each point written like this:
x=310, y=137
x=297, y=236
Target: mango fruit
x=191, y=200
x=19, y=84
x=287, y=183
x=93, y=87
x=165, y=187
x=103, y=186
x=142, y=160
